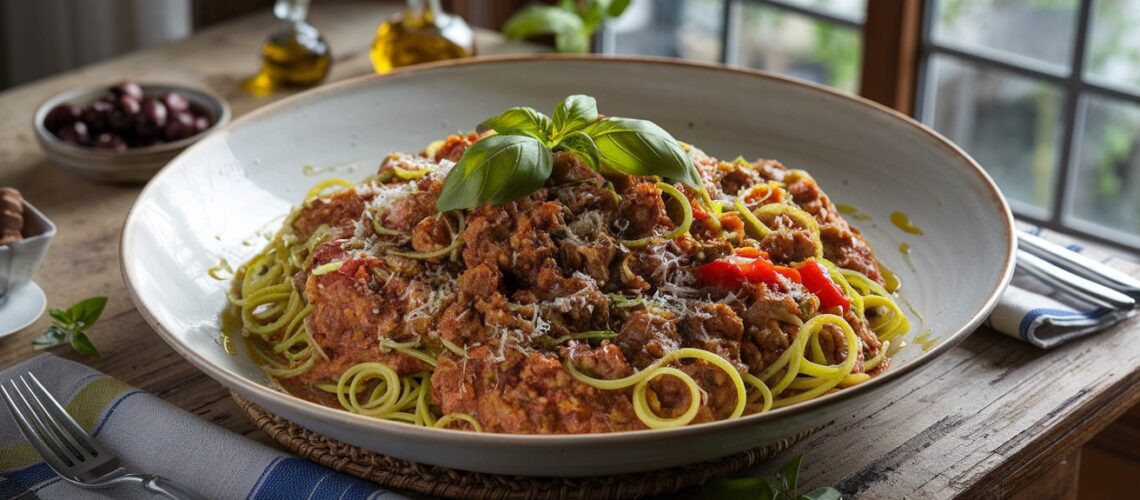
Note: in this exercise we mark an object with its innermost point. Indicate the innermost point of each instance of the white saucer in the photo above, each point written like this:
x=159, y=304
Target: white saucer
x=21, y=307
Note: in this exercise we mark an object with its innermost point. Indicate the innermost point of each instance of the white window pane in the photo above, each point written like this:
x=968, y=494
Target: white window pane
x=689, y=29
x=1114, y=48
x=1011, y=125
x=799, y=46
x=852, y=9
x=1107, y=188
x=1041, y=30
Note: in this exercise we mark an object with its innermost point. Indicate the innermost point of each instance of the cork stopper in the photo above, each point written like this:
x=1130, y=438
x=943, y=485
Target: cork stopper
x=11, y=215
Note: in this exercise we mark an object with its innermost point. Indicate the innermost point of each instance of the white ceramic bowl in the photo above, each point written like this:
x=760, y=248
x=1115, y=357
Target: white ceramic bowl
x=135, y=165
x=20, y=260
x=233, y=183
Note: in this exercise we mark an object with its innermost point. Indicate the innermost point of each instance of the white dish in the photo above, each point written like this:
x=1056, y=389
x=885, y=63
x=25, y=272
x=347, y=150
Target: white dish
x=20, y=307
x=221, y=191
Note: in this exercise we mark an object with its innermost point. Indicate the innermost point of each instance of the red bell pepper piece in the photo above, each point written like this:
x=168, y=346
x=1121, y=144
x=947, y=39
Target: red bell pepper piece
x=818, y=281
x=748, y=265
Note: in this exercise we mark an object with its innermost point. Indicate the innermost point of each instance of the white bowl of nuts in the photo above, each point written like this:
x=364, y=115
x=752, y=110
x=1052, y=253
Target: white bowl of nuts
x=125, y=132
x=25, y=234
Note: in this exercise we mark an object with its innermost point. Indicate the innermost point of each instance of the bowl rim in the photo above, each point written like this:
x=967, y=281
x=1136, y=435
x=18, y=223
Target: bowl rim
x=215, y=101
x=331, y=416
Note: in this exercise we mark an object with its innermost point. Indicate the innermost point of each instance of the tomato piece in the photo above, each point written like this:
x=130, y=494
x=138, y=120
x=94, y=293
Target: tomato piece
x=723, y=273
x=818, y=281
x=748, y=265
x=350, y=266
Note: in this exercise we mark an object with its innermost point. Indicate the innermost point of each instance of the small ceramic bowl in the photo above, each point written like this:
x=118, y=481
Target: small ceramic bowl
x=19, y=260
x=135, y=164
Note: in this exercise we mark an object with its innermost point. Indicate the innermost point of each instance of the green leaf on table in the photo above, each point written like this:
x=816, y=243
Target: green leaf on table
x=581, y=145
x=495, y=170
x=83, y=345
x=520, y=121
x=542, y=20
x=70, y=324
x=61, y=316
x=789, y=473
x=51, y=337
x=640, y=147
x=824, y=493
x=574, y=113
x=86, y=312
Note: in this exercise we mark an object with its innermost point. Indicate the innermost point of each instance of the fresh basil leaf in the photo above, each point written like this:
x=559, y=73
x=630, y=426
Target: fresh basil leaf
x=83, y=344
x=640, y=147
x=617, y=7
x=581, y=145
x=51, y=337
x=573, y=42
x=521, y=121
x=824, y=493
x=85, y=313
x=61, y=317
x=542, y=20
x=574, y=113
x=495, y=170
x=789, y=473
x=752, y=488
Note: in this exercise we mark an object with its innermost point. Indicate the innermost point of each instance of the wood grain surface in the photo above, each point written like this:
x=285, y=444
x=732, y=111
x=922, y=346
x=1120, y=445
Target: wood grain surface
x=984, y=421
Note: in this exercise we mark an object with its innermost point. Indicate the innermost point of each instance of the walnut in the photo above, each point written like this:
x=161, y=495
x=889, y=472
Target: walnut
x=11, y=215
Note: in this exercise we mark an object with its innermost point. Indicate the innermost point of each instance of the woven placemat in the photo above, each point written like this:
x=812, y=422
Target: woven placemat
x=444, y=482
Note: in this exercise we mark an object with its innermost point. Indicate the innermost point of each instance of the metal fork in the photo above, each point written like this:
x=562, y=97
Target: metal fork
x=69, y=450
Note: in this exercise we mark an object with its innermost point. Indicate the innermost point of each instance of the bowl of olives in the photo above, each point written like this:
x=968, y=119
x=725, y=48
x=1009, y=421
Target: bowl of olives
x=127, y=131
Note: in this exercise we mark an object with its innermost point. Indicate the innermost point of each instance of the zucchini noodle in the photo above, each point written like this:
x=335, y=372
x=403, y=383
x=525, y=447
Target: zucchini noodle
x=272, y=310
x=452, y=417
x=758, y=227
x=325, y=185
x=682, y=227
x=452, y=248
x=817, y=378
x=890, y=322
x=800, y=217
x=641, y=403
x=409, y=348
x=648, y=373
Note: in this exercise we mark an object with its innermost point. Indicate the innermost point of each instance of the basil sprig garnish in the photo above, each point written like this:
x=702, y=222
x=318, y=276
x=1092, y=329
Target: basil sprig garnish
x=518, y=159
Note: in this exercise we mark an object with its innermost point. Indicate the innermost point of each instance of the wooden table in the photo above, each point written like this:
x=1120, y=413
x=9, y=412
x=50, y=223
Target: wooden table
x=992, y=418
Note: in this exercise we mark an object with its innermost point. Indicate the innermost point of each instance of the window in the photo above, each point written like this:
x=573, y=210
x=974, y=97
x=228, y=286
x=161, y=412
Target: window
x=1045, y=94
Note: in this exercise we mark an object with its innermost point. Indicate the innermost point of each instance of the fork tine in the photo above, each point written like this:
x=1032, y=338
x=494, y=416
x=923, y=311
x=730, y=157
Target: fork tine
x=61, y=422
x=50, y=454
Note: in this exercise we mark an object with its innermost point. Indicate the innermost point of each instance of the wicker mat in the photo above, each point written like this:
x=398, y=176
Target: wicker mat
x=443, y=482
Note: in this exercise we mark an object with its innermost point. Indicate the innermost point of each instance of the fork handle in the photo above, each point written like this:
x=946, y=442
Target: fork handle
x=167, y=488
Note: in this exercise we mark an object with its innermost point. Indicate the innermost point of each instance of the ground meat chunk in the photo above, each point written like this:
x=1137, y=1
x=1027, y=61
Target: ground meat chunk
x=339, y=211
x=642, y=209
x=645, y=337
x=348, y=319
x=527, y=394
x=605, y=361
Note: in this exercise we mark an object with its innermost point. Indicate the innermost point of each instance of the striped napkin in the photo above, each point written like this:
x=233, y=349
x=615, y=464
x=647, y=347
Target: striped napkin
x=151, y=436
x=1038, y=314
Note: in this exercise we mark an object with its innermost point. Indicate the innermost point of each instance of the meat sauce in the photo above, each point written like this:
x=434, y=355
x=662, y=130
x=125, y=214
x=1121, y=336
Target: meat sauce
x=551, y=265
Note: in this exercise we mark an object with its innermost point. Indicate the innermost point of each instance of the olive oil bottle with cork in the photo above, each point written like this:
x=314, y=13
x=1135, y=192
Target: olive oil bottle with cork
x=422, y=33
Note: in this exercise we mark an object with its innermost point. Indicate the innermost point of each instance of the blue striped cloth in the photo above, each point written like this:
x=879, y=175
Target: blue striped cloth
x=152, y=436
x=1036, y=313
